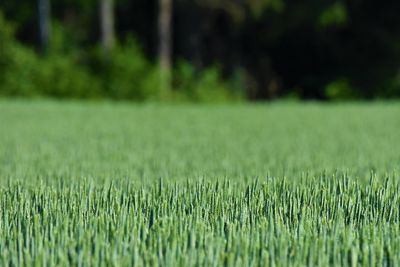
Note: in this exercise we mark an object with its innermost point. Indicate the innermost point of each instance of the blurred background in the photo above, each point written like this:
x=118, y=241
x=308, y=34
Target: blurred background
x=200, y=50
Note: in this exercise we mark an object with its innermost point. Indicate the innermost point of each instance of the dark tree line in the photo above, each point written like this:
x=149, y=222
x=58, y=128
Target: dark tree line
x=307, y=49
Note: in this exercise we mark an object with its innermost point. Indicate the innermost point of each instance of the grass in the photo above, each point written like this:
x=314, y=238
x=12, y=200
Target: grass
x=283, y=184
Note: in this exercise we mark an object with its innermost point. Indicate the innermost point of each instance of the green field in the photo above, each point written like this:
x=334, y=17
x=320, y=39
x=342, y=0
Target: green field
x=281, y=184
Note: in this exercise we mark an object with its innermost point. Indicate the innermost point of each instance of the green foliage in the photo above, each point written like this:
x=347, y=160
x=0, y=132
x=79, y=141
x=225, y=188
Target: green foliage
x=340, y=89
x=16, y=62
x=24, y=73
x=247, y=185
x=75, y=81
x=123, y=74
x=6, y=43
x=129, y=75
x=54, y=76
x=20, y=72
x=335, y=15
x=62, y=40
x=291, y=44
x=202, y=86
x=259, y=6
x=237, y=9
x=391, y=88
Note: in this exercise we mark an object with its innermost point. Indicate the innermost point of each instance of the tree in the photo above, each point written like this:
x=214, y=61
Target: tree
x=165, y=43
x=44, y=24
x=107, y=22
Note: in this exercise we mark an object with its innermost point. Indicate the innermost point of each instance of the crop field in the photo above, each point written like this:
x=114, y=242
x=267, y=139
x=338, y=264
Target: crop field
x=118, y=184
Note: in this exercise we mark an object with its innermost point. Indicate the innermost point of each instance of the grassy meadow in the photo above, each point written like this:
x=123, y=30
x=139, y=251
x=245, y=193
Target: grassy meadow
x=280, y=184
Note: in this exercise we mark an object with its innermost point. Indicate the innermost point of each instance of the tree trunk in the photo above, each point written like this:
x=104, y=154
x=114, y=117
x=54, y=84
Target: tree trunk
x=107, y=25
x=44, y=25
x=165, y=44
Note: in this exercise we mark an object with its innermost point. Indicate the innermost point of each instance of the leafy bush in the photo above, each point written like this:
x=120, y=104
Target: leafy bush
x=340, y=89
x=56, y=76
x=335, y=15
x=391, y=89
x=24, y=73
x=6, y=43
x=16, y=63
x=127, y=74
x=201, y=86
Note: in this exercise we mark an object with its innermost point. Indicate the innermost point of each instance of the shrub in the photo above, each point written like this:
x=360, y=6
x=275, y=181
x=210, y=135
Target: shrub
x=202, y=86
x=55, y=76
x=340, y=89
x=6, y=44
x=127, y=74
x=24, y=73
